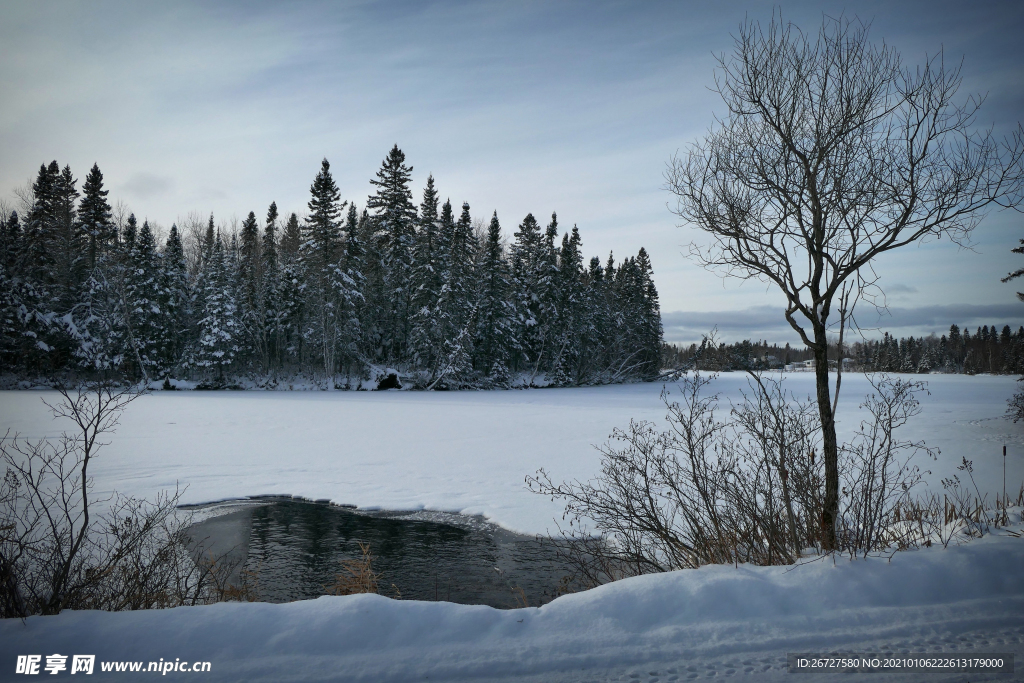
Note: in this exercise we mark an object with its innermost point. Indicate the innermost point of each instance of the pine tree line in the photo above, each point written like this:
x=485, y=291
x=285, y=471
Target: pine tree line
x=743, y=355
x=988, y=350
x=340, y=294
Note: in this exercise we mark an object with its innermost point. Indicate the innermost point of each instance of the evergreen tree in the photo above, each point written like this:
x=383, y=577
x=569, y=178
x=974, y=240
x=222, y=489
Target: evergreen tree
x=526, y=260
x=328, y=293
x=146, y=335
x=24, y=319
x=907, y=363
x=395, y=220
x=68, y=242
x=495, y=334
x=250, y=264
x=131, y=231
x=323, y=226
x=270, y=288
x=94, y=216
x=12, y=242
x=650, y=318
x=174, y=301
x=571, y=330
x=374, y=313
x=219, y=329
x=40, y=262
x=208, y=240
x=292, y=309
x=291, y=240
x=548, y=341
x=354, y=252
x=456, y=304
x=252, y=313
x=598, y=316
x=353, y=294
x=427, y=279
x=955, y=348
x=1017, y=273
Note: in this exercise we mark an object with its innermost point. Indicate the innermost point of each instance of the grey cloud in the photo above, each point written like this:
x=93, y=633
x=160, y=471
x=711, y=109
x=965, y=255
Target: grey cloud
x=940, y=317
x=900, y=288
x=760, y=322
x=758, y=316
x=768, y=322
x=146, y=185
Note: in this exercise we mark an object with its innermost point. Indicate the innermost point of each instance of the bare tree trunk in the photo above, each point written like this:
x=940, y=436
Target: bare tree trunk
x=830, y=509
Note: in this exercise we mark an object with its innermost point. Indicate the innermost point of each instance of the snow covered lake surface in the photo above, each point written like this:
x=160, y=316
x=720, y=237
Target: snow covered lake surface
x=462, y=452
x=468, y=452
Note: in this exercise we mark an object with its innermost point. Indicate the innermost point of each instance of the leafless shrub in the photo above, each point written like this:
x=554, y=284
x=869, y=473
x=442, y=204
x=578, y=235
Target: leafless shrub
x=222, y=589
x=876, y=470
x=776, y=491
x=748, y=488
x=57, y=553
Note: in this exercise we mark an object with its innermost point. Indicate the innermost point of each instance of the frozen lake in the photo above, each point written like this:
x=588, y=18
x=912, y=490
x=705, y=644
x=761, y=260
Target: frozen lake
x=464, y=452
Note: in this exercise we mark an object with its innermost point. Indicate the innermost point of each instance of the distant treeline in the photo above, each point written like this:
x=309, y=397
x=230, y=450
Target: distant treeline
x=722, y=357
x=339, y=295
x=988, y=350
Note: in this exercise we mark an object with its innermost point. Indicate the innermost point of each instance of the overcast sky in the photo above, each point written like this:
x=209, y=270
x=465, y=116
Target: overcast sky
x=517, y=107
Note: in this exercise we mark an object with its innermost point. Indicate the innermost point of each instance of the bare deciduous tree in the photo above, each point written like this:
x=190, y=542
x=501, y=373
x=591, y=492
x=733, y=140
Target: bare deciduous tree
x=831, y=153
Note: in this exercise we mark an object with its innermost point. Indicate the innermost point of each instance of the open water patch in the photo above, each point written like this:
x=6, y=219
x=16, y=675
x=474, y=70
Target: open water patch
x=294, y=550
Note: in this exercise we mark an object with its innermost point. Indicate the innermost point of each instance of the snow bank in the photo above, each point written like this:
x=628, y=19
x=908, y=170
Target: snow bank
x=716, y=620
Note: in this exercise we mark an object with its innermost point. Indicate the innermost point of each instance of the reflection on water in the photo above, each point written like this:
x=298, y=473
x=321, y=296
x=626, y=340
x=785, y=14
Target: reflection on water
x=296, y=549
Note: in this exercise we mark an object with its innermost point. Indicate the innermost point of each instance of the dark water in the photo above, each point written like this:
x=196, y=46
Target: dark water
x=293, y=550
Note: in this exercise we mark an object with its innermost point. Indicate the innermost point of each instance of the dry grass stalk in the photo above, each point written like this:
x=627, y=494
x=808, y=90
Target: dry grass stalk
x=357, y=575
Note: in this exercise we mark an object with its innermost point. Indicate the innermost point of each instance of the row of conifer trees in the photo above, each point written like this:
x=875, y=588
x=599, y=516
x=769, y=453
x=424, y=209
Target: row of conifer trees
x=338, y=294
x=988, y=350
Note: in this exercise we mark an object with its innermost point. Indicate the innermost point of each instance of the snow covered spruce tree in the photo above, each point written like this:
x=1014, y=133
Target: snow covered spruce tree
x=394, y=222
x=94, y=216
x=250, y=290
x=330, y=292
x=525, y=268
x=144, y=321
x=495, y=340
x=269, y=329
x=219, y=330
x=352, y=264
x=831, y=153
x=24, y=323
x=572, y=322
x=65, y=240
x=174, y=300
x=456, y=306
x=292, y=313
x=427, y=280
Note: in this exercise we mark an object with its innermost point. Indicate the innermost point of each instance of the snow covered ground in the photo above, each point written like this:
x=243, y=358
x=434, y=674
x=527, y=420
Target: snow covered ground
x=469, y=452
x=457, y=451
